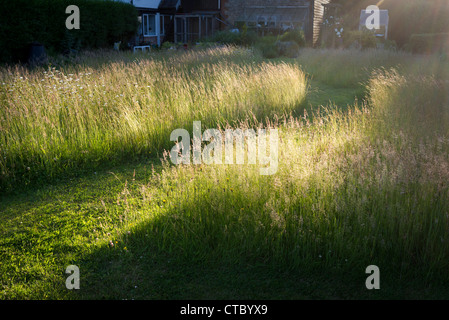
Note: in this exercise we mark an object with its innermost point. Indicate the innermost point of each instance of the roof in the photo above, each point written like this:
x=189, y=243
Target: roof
x=169, y=4
x=146, y=4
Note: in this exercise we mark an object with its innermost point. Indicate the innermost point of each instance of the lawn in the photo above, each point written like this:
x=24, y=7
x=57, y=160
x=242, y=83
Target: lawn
x=362, y=177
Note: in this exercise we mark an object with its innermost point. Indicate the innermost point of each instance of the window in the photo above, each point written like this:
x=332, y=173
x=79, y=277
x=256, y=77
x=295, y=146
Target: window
x=149, y=24
x=180, y=29
x=262, y=21
x=271, y=23
x=163, y=20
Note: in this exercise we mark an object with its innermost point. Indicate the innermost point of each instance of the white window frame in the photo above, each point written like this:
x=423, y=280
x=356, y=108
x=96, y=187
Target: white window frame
x=146, y=24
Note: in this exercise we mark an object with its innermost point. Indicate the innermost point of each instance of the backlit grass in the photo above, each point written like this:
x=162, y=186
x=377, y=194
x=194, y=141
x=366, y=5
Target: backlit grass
x=359, y=185
x=58, y=121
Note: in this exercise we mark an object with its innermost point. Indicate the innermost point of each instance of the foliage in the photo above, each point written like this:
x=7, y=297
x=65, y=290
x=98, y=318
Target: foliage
x=429, y=43
x=248, y=37
x=332, y=31
x=296, y=35
x=407, y=17
x=230, y=37
x=289, y=49
x=168, y=45
x=364, y=39
x=389, y=44
x=25, y=21
x=225, y=37
x=268, y=47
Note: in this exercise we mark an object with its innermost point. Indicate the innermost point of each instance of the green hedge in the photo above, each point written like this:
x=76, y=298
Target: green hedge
x=407, y=17
x=243, y=37
x=102, y=22
x=429, y=43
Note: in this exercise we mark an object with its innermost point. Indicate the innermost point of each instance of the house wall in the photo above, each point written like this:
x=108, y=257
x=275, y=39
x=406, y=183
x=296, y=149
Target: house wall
x=318, y=12
x=150, y=40
x=232, y=10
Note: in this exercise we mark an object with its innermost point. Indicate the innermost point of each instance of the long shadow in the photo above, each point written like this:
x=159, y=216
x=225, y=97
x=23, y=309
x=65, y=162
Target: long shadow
x=192, y=256
x=176, y=255
x=74, y=188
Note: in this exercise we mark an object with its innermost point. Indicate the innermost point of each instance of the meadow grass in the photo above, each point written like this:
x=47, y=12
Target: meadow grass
x=362, y=185
x=350, y=68
x=57, y=121
x=343, y=198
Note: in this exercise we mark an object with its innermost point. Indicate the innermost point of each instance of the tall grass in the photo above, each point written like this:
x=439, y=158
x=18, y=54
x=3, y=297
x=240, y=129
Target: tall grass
x=57, y=121
x=418, y=106
x=353, y=68
x=352, y=189
x=355, y=188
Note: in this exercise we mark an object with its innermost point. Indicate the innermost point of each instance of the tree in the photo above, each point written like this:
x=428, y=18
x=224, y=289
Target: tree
x=407, y=17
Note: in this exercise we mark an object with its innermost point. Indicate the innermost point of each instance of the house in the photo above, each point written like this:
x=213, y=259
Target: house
x=176, y=20
x=197, y=19
x=156, y=18
x=277, y=15
x=184, y=21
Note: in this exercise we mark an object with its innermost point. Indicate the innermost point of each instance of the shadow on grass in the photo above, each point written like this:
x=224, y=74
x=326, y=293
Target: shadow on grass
x=172, y=256
x=138, y=268
x=74, y=189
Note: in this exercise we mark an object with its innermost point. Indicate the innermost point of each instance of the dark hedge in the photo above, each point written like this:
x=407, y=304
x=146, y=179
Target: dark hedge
x=22, y=22
x=407, y=17
x=429, y=43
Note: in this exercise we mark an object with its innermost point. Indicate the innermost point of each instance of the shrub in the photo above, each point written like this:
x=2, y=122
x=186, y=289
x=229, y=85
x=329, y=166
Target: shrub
x=226, y=37
x=43, y=21
x=268, y=47
x=296, y=35
x=429, y=43
x=407, y=17
x=168, y=45
x=363, y=39
x=249, y=37
x=289, y=49
x=390, y=44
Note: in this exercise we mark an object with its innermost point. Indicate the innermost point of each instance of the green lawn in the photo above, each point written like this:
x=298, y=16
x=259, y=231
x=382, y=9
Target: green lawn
x=323, y=95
